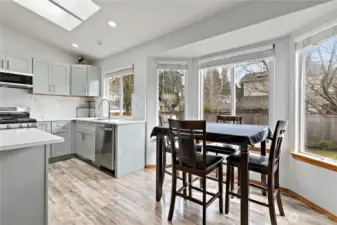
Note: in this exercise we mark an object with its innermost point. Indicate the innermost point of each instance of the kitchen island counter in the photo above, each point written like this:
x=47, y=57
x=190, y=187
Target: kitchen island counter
x=24, y=138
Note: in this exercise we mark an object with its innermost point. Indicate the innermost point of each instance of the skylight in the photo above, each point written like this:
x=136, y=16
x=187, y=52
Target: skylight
x=82, y=9
x=65, y=13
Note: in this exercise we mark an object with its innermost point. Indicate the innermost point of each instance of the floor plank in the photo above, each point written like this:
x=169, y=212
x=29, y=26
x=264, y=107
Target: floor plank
x=80, y=194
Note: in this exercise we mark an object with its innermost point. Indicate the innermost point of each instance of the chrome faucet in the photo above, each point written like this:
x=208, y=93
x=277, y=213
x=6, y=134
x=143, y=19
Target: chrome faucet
x=101, y=103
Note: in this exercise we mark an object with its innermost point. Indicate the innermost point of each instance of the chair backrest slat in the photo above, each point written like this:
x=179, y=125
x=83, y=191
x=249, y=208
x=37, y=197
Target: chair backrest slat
x=275, y=150
x=184, y=134
x=229, y=119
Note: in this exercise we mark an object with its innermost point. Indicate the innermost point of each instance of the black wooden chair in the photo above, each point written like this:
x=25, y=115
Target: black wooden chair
x=222, y=148
x=188, y=160
x=266, y=165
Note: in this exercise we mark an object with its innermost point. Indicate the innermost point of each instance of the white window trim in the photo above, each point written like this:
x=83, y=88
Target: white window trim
x=184, y=71
x=271, y=83
x=298, y=44
x=120, y=72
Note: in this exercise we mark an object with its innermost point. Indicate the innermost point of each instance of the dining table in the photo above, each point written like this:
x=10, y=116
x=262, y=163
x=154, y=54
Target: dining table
x=243, y=135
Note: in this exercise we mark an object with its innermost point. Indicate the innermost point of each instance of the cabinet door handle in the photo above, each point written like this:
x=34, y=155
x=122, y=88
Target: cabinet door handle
x=2, y=63
x=8, y=64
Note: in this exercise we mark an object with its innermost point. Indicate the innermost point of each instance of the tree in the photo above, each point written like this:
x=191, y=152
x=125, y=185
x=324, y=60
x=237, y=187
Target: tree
x=128, y=87
x=217, y=88
x=171, y=90
x=321, y=78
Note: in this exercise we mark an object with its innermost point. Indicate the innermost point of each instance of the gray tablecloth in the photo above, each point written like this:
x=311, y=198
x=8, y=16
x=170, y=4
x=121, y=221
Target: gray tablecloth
x=228, y=133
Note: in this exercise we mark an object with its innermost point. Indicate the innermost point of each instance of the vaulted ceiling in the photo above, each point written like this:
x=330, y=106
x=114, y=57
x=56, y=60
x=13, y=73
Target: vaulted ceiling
x=137, y=21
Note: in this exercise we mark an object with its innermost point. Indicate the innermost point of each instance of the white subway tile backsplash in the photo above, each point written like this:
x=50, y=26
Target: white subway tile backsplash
x=42, y=107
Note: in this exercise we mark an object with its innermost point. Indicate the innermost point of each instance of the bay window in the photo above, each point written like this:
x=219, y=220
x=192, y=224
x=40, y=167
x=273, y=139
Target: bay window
x=240, y=87
x=171, y=89
x=119, y=89
x=317, y=66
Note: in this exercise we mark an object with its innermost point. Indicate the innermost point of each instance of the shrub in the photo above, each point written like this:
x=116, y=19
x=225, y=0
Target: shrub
x=325, y=145
x=207, y=108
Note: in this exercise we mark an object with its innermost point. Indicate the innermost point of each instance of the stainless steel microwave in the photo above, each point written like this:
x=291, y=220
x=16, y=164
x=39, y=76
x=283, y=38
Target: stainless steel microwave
x=9, y=79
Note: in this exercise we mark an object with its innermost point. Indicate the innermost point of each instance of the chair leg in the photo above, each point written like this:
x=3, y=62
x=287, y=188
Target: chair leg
x=216, y=171
x=271, y=200
x=220, y=174
x=184, y=184
x=228, y=181
x=190, y=186
x=232, y=177
x=201, y=181
x=263, y=182
x=204, y=201
x=278, y=196
x=173, y=194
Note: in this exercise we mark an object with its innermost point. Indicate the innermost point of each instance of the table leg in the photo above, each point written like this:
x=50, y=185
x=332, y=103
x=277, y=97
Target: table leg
x=244, y=184
x=159, y=168
x=263, y=176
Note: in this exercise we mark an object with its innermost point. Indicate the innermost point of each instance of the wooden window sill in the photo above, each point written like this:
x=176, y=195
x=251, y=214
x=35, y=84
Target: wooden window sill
x=316, y=161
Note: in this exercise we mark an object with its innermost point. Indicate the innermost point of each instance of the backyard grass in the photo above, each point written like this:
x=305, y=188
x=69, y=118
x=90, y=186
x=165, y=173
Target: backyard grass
x=324, y=153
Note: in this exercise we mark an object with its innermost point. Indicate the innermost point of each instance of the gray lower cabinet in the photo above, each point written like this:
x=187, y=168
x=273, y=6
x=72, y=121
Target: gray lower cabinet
x=61, y=129
x=85, y=140
x=46, y=127
x=85, y=145
x=63, y=148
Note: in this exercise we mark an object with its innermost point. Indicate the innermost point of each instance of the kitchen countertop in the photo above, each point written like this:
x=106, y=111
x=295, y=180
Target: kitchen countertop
x=24, y=138
x=115, y=121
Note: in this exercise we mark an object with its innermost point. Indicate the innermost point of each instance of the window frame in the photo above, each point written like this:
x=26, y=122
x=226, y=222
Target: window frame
x=231, y=69
x=300, y=71
x=121, y=92
x=184, y=71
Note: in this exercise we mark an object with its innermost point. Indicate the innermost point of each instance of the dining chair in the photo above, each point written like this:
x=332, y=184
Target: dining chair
x=267, y=165
x=222, y=148
x=188, y=160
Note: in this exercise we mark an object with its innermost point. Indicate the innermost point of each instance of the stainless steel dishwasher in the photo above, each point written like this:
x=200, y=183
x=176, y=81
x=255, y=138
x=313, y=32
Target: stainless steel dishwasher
x=105, y=146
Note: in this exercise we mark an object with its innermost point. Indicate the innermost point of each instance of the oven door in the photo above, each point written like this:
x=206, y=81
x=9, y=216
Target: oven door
x=16, y=80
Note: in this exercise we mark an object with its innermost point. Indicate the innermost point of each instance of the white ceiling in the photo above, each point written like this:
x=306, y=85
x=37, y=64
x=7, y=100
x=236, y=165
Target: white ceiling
x=138, y=21
x=264, y=31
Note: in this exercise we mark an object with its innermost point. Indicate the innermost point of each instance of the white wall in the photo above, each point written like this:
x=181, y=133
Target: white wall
x=316, y=184
x=42, y=107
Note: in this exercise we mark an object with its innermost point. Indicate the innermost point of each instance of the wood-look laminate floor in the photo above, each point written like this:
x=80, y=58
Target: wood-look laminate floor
x=80, y=194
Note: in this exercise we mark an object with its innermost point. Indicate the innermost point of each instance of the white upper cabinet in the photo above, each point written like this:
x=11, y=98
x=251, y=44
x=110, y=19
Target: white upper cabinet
x=18, y=63
x=2, y=61
x=61, y=79
x=94, y=78
x=42, y=79
x=51, y=78
x=85, y=80
x=79, y=80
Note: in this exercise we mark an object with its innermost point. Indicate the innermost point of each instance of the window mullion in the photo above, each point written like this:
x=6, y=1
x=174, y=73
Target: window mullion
x=233, y=90
x=121, y=101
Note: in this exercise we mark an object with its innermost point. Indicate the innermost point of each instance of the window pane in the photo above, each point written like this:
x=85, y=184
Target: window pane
x=217, y=92
x=251, y=79
x=114, y=95
x=320, y=122
x=172, y=93
x=128, y=85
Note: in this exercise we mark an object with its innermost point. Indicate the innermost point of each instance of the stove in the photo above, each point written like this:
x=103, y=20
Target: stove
x=16, y=117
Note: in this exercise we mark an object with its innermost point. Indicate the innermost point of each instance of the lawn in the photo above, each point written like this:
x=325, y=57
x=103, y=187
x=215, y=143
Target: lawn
x=330, y=154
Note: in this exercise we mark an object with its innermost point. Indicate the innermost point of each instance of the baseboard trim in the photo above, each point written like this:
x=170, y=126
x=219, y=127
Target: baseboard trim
x=291, y=193
x=150, y=166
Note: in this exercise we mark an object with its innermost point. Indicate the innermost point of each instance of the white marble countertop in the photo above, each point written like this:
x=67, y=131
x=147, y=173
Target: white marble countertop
x=115, y=121
x=23, y=138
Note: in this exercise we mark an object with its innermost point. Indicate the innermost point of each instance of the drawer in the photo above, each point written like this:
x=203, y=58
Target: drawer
x=60, y=126
x=88, y=128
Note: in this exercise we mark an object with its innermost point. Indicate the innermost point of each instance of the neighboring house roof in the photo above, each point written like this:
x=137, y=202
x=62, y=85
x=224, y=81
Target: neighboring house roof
x=255, y=77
